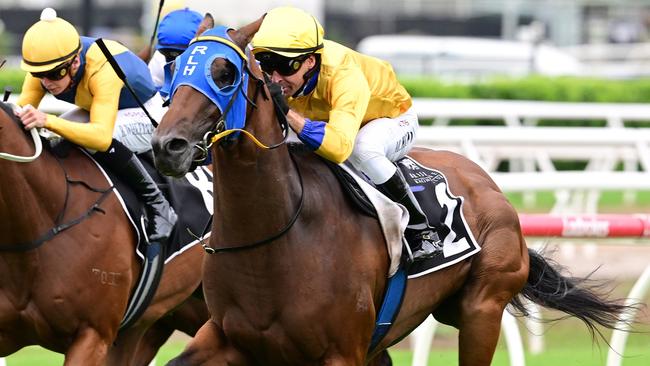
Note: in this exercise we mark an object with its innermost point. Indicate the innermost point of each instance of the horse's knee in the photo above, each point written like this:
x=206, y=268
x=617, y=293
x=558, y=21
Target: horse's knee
x=88, y=349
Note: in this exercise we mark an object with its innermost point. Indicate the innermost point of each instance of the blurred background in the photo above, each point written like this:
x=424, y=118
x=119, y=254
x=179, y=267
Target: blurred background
x=577, y=37
x=549, y=96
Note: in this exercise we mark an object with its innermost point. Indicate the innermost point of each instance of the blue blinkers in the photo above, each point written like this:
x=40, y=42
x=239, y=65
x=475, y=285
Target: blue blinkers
x=193, y=68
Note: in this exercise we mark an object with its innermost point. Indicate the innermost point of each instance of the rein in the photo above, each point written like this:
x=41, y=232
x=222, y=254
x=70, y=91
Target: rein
x=59, y=226
x=38, y=145
x=219, y=132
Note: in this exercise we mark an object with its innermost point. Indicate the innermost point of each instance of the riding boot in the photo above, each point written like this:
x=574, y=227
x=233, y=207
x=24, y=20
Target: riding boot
x=421, y=237
x=160, y=216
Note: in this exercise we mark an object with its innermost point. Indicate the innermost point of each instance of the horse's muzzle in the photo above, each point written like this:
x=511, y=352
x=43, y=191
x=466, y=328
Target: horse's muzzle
x=172, y=155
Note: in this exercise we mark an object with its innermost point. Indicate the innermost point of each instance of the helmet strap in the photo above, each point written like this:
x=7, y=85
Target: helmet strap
x=307, y=77
x=73, y=81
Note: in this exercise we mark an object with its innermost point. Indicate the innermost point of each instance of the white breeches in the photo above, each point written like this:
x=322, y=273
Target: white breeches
x=382, y=141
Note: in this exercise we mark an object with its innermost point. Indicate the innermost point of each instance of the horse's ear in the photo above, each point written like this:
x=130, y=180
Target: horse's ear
x=246, y=33
x=206, y=23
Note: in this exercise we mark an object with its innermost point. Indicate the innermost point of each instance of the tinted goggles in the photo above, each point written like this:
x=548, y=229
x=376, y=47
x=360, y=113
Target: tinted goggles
x=55, y=74
x=285, y=66
x=170, y=53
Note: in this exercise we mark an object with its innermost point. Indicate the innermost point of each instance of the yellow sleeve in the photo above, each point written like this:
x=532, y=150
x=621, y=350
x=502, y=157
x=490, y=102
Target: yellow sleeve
x=349, y=98
x=32, y=92
x=97, y=134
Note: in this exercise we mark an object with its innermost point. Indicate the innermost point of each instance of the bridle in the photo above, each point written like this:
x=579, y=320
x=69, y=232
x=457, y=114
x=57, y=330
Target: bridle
x=218, y=132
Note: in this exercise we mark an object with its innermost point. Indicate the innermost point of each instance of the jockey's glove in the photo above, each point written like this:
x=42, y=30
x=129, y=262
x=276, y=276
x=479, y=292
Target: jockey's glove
x=278, y=98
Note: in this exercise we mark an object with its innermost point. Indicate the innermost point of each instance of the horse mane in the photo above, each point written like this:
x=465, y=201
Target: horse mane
x=9, y=111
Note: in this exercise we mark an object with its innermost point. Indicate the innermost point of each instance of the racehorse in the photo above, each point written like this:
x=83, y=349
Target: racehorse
x=68, y=263
x=298, y=272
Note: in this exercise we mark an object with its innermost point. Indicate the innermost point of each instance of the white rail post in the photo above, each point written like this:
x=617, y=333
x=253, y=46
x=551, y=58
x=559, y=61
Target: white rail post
x=619, y=335
x=423, y=335
x=3, y=362
x=421, y=342
x=513, y=340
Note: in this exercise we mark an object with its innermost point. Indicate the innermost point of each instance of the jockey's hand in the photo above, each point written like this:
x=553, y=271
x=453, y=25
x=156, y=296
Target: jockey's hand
x=31, y=117
x=278, y=98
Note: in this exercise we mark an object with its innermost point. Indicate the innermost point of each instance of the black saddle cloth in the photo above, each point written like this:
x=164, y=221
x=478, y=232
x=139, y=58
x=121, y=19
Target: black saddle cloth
x=442, y=208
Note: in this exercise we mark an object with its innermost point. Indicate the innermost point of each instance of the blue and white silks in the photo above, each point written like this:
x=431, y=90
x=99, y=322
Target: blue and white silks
x=193, y=68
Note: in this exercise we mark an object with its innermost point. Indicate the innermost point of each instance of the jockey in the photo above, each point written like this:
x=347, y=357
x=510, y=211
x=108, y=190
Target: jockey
x=344, y=106
x=108, y=120
x=175, y=32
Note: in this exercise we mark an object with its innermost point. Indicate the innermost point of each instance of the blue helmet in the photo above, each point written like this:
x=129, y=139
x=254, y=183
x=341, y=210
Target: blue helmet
x=177, y=29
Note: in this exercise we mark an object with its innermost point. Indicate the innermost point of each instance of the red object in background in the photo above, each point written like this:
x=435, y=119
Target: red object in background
x=586, y=226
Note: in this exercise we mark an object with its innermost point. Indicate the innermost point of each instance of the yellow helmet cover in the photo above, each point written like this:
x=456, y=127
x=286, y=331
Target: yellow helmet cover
x=48, y=43
x=289, y=32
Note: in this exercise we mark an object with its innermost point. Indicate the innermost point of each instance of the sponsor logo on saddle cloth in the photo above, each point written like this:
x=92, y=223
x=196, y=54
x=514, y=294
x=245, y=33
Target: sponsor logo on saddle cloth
x=193, y=68
x=443, y=210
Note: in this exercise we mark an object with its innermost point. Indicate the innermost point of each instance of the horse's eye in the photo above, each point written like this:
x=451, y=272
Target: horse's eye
x=225, y=78
x=226, y=75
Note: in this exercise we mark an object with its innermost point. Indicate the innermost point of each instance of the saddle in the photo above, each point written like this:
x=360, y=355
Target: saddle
x=443, y=210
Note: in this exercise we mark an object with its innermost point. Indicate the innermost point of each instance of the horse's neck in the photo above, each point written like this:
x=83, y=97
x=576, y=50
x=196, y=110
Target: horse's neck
x=256, y=190
x=251, y=194
x=30, y=193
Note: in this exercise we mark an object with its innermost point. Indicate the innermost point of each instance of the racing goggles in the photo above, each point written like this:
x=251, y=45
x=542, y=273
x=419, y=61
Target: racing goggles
x=284, y=66
x=55, y=74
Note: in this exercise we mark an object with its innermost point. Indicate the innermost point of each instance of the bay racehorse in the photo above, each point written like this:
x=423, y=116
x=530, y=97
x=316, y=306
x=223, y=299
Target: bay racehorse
x=299, y=272
x=66, y=289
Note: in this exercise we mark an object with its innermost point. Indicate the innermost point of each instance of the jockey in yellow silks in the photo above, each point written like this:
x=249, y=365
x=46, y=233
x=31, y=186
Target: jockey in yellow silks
x=345, y=106
x=108, y=120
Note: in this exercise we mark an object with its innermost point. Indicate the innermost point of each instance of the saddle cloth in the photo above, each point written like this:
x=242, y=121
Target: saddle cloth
x=443, y=210
x=190, y=196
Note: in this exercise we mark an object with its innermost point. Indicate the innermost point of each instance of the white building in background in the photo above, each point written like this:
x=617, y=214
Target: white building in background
x=234, y=13
x=568, y=22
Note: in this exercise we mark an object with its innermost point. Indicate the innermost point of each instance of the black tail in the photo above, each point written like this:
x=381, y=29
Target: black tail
x=579, y=297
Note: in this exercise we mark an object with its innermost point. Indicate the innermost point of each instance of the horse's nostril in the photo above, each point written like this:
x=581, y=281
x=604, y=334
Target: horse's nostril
x=177, y=145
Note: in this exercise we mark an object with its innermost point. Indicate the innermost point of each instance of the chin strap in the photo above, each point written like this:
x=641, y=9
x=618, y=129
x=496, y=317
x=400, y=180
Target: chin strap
x=310, y=79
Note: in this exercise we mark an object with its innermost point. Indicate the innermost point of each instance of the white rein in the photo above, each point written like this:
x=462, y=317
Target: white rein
x=38, y=145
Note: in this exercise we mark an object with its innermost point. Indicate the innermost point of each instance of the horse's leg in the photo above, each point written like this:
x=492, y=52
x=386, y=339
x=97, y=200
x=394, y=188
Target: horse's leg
x=208, y=347
x=383, y=359
x=88, y=349
x=496, y=276
x=150, y=343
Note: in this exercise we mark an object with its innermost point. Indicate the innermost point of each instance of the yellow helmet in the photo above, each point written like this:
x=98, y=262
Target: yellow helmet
x=289, y=32
x=49, y=43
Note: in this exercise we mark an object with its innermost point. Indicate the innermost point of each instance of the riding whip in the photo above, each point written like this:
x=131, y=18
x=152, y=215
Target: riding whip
x=7, y=93
x=120, y=74
x=155, y=29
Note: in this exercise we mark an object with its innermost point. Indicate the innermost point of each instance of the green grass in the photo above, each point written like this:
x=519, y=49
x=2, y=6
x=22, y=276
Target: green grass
x=567, y=344
x=609, y=202
x=564, y=356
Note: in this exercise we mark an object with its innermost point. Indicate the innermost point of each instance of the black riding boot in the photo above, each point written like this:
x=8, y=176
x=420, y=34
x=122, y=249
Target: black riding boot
x=422, y=239
x=159, y=214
